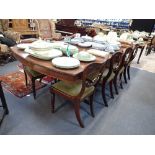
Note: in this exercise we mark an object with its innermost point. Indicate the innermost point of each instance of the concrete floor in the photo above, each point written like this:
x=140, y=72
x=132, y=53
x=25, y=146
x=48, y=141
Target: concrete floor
x=131, y=112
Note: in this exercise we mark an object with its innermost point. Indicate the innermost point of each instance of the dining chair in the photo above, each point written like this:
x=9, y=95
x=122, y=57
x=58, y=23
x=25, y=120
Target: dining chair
x=78, y=91
x=128, y=63
x=4, y=104
x=33, y=75
x=126, y=55
x=109, y=75
x=150, y=46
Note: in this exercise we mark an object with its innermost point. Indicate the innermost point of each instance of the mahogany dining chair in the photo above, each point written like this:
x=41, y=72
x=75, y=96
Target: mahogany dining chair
x=78, y=91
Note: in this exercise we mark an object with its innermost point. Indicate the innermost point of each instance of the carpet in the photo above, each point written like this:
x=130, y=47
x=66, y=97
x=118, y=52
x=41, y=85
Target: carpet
x=15, y=84
x=46, y=79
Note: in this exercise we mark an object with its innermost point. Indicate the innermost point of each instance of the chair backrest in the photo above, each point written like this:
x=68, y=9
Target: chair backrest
x=153, y=41
x=44, y=28
x=116, y=61
x=127, y=56
x=93, y=69
x=134, y=53
x=122, y=59
x=113, y=63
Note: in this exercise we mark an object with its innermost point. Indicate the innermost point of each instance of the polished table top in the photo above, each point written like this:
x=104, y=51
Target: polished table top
x=47, y=68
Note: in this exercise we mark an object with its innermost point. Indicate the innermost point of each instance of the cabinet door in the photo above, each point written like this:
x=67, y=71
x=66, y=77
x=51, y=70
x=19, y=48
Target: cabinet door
x=20, y=24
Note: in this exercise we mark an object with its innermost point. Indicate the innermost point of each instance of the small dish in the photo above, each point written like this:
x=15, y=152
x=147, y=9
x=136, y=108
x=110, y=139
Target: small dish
x=84, y=56
x=85, y=44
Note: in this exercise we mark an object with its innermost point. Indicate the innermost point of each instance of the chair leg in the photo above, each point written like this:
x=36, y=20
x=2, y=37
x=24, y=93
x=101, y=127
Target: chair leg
x=40, y=79
x=91, y=105
x=120, y=79
x=77, y=113
x=128, y=71
x=25, y=77
x=33, y=88
x=111, y=90
x=115, y=85
x=53, y=102
x=124, y=73
x=148, y=51
x=103, y=95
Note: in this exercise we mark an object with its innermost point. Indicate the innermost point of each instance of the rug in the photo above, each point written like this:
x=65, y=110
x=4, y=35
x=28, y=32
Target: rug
x=15, y=84
x=46, y=79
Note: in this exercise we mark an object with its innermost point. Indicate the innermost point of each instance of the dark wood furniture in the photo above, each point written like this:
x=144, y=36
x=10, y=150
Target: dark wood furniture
x=126, y=58
x=109, y=75
x=4, y=104
x=79, y=90
x=150, y=46
x=67, y=27
x=128, y=63
x=141, y=47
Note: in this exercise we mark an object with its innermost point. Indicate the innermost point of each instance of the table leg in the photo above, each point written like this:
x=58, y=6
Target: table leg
x=142, y=49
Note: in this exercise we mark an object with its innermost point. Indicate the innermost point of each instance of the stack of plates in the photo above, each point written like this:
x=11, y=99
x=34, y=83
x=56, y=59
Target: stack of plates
x=84, y=56
x=87, y=38
x=85, y=44
x=40, y=45
x=98, y=53
x=76, y=41
x=98, y=46
x=44, y=55
x=66, y=62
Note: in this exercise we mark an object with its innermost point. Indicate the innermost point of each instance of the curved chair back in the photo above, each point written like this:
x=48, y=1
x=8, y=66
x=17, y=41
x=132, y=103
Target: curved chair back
x=153, y=41
x=128, y=55
x=93, y=69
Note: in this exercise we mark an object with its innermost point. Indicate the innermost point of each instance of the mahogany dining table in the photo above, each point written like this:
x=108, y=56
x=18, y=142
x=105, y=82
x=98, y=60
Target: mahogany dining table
x=47, y=68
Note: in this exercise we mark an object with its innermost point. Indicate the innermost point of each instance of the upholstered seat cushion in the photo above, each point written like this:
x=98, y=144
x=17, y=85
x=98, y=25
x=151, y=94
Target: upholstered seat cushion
x=72, y=89
x=33, y=73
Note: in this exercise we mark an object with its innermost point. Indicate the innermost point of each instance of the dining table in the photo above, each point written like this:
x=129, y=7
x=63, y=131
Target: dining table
x=47, y=68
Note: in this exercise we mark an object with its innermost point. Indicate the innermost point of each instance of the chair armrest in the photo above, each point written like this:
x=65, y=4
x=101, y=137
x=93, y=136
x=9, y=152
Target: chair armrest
x=13, y=35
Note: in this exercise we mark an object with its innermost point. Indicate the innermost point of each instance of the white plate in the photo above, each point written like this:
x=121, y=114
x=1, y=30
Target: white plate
x=85, y=44
x=45, y=55
x=66, y=62
x=23, y=46
x=91, y=58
